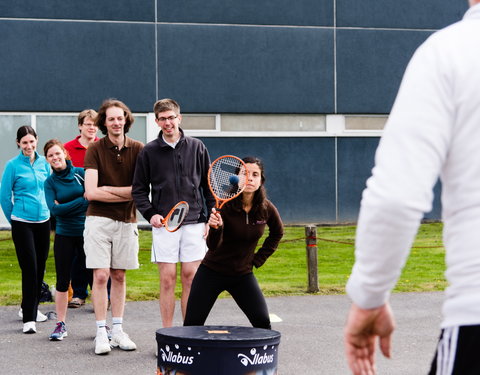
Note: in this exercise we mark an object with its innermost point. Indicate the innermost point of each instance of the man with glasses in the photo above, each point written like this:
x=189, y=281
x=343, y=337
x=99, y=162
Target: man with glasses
x=173, y=168
x=77, y=148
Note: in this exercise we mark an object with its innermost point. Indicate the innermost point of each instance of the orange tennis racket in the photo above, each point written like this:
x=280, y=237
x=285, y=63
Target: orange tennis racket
x=227, y=177
x=175, y=217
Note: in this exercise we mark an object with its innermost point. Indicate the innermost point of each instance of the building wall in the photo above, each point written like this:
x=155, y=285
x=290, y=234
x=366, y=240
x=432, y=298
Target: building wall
x=257, y=68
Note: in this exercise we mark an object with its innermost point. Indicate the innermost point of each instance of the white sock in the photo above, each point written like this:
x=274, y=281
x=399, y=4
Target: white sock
x=101, y=326
x=117, y=324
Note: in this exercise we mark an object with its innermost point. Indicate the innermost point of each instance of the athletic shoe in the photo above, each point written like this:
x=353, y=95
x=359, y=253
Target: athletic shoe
x=29, y=327
x=76, y=303
x=109, y=332
x=122, y=340
x=40, y=316
x=59, y=332
x=102, y=344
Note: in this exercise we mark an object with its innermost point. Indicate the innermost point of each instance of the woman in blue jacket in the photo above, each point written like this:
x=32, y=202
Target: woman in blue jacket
x=23, y=202
x=64, y=192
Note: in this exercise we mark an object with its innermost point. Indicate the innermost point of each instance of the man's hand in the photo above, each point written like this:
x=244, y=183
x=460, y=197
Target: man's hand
x=156, y=221
x=361, y=332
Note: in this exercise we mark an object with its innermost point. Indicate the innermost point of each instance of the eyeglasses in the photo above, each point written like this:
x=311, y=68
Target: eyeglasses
x=164, y=119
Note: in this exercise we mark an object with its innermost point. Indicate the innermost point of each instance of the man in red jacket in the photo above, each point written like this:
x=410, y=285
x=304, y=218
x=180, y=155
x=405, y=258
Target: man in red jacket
x=77, y=148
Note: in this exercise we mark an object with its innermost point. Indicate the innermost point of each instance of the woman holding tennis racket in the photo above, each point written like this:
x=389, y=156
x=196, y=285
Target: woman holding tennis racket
x=232, y=240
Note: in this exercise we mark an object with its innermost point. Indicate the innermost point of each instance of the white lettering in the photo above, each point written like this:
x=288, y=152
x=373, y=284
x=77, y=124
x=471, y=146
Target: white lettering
x=257, y=359
x=176, y=358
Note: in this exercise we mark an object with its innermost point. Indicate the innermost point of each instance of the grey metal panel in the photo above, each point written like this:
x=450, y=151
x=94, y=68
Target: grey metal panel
x=266, y=12
x=125, y=10
x=370, y=66
x=412, y=14
x=9, y=125
x=69, y=66
x=64, y=128
x=300, y=173
x=243, y=69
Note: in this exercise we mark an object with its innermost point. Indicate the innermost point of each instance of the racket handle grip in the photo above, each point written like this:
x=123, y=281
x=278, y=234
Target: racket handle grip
x=215, y=212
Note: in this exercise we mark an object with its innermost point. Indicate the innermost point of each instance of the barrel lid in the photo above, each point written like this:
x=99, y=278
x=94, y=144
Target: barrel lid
x=211, y=334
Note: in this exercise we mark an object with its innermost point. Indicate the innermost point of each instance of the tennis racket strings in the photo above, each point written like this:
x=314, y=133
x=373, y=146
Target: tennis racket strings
x=227, y=177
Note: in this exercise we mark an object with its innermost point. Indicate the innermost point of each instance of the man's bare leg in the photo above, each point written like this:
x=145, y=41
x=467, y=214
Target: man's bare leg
x=168, y=278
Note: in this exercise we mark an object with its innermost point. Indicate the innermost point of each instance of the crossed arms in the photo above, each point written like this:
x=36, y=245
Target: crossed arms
x=111, y=194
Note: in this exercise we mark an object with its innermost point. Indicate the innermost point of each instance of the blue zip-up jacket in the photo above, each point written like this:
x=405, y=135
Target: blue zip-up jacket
x=67, y=188
x=21, y=193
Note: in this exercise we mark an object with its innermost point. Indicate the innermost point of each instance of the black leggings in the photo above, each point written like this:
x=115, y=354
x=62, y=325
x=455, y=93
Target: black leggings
x=66, y=248
x=32, y=243
x=208, y=284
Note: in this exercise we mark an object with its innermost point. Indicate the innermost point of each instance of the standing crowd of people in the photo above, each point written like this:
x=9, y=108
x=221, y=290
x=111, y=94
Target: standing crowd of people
x=93, y=187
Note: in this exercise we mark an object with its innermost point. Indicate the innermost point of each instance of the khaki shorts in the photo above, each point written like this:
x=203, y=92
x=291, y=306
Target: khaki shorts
x=110, y=244
x=185, y=245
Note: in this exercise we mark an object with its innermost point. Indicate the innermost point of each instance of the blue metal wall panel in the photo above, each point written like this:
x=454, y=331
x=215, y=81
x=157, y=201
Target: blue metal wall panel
x=125, y=10
x=246, y=69
x=355, y=163
x=266, y=12
x=411, y=14
x=69, y=66
x=370, y=66
x=300, y=173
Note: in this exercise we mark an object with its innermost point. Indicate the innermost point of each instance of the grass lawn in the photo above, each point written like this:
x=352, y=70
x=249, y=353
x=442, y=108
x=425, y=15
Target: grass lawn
x=284, y=273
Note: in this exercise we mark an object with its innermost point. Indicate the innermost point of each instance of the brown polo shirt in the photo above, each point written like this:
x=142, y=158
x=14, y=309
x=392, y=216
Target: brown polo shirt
x=115, y=168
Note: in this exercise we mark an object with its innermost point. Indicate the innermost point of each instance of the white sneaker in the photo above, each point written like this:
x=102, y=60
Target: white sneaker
x=102, y=345
x=29, y=327
x=40, y=317
x=122, y=340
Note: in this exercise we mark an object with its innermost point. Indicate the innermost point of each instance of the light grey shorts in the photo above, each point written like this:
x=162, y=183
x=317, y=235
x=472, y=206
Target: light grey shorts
x=185, y=245
x=110, y=244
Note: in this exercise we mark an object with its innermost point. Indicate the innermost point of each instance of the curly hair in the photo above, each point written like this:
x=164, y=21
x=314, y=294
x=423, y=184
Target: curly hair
x=102, y=115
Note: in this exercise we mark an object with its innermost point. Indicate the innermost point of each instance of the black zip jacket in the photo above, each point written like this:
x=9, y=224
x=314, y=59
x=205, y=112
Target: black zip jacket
x=173, y=175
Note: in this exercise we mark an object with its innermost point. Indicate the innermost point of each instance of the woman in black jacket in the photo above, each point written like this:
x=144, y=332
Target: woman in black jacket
x=232, y=240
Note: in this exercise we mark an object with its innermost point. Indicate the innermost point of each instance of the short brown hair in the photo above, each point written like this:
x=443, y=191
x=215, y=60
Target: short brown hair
x=163, y=105
x=102, y=115
x=86, y=113
x=55, y=142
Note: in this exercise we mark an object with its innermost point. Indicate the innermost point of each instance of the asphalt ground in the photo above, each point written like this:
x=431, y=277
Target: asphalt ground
x=311, y=342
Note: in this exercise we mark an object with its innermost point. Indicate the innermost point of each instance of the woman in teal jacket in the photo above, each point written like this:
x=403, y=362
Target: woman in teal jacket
x=64, y=192
x=23, y=202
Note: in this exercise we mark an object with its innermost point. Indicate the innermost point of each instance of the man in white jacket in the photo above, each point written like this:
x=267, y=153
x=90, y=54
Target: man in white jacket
x=433, y=131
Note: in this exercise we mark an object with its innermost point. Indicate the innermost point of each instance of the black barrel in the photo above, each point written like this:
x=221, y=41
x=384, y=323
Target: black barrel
x=217, y=350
